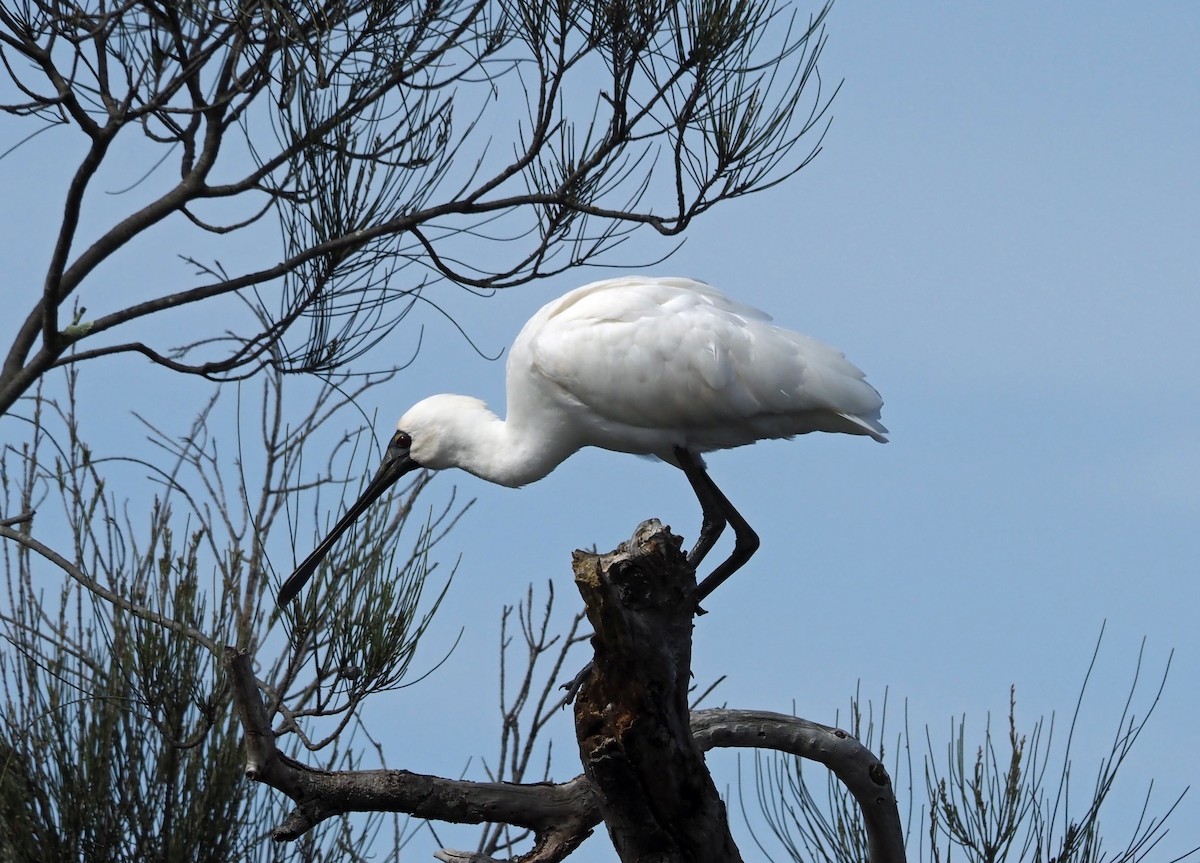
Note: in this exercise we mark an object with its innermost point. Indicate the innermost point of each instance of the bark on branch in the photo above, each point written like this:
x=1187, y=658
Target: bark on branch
x=561, y=816
x=644, y=772
x=631, y=715
x=855, y=765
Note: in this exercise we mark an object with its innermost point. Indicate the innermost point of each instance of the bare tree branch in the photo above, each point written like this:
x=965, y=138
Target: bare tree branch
x=612, y=736
x=384, y=176
x=859, y=770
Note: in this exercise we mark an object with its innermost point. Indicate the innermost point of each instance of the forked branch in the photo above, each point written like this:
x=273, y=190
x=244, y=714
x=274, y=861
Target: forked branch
x=637, y=599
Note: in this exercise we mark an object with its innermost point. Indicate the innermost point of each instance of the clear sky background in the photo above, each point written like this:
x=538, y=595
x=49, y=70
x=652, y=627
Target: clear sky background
x=1003, y=230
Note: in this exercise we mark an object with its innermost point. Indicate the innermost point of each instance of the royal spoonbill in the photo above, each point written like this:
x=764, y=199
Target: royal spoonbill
x=666, y=367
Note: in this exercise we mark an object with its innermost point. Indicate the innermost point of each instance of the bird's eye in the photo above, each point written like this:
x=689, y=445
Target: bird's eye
x=401, y=440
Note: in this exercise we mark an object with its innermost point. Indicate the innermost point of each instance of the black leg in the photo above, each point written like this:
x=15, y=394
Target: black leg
x=714, y=521
x=718, y=512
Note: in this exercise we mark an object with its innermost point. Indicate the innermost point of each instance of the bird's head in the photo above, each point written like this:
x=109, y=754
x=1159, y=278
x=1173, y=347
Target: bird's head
x=435, y=433
x=442, y=428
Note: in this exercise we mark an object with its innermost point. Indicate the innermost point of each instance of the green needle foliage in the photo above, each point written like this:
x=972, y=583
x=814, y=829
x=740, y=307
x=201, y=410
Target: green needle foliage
x=1004, y=799
x=118, y=739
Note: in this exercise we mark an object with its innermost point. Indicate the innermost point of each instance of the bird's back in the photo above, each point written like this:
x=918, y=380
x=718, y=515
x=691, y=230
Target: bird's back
x=645, y=364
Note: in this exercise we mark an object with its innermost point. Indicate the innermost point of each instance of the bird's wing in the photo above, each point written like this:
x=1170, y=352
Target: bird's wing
x=677, y=355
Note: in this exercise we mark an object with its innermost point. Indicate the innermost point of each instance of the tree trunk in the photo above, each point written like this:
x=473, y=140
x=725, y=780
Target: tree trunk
x=657, y=797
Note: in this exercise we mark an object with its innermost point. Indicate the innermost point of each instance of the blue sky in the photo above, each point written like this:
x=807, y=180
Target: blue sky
x=1002, y=231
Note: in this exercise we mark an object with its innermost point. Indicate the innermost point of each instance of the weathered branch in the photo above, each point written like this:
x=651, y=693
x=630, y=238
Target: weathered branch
x=855, y=765
x=642, y=750
x=561, y=816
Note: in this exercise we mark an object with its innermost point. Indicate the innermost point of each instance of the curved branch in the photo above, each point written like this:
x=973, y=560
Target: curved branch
x=205, y=370
x=856, y=766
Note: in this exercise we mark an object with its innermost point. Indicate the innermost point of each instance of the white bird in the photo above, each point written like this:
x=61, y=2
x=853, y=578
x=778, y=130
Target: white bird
x=665, y=367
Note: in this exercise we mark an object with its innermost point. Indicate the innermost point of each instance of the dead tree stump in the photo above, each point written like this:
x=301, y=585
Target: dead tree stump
x=631, y=713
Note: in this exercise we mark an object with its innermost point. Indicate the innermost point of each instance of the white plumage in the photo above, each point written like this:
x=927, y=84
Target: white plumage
x=665, y=367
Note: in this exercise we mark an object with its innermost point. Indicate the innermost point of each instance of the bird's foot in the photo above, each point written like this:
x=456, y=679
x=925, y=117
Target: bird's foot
x=572, y=686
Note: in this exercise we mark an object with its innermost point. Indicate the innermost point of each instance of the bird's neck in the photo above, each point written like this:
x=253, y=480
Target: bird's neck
x=510, y=453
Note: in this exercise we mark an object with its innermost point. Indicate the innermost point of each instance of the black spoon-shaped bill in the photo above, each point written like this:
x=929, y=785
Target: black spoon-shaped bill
x=396, y=463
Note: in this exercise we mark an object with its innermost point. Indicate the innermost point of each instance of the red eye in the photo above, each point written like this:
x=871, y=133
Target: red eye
x=402, y=440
